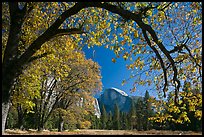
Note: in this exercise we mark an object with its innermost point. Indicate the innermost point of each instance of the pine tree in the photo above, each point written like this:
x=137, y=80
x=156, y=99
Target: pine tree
x=147, y=111
x=93, y=122
x=103, y=118
x=116, y=118
x=98, y=122
x=124, y=122
x=132, y=116
x=140, y=113
x=110, y=121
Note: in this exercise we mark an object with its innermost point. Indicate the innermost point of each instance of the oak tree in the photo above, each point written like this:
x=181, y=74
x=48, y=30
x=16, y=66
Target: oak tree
x=151, y=31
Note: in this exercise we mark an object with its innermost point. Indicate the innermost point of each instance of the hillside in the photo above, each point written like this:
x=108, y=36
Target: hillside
x=112, y=96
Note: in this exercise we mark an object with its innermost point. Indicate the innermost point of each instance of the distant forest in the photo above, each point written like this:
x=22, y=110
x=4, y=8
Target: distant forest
x=138, y=118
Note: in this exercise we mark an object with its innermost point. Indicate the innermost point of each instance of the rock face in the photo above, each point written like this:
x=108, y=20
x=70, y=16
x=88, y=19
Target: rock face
x=113, y=96
x=97, y=109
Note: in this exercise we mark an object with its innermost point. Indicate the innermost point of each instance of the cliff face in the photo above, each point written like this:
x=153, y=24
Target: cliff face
x=97, y=108
x=113, y=96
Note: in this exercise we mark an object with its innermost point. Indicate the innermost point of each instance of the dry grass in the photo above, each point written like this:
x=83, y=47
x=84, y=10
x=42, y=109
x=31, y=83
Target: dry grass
x=101, y=132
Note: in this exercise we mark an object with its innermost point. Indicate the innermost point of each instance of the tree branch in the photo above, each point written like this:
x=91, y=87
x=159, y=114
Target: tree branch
x=160, y=59
x=13, y=9
x=27, y=9
x=137, y=18
x=61, y=32
x=189, y=52
x=176, y=48
x=39, y=56
x=49, y=33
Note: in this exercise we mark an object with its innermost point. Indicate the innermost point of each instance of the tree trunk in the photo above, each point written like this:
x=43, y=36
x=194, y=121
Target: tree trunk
x=61, y=124
x=7, y=82
x=5, y=110
x=20, y=117
x=40, y=127
x=40, y=124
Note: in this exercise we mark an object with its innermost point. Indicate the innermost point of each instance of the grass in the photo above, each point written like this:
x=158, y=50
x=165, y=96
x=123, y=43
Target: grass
x=101, y=132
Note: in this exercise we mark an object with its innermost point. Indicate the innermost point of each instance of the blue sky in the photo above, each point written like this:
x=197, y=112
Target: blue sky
x=113, y=73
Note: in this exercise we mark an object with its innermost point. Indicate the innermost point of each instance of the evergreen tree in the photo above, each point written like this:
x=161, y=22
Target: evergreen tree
x=132, y=116
x=110, y=121
x=124, y=123
x=103, y=118
x=116, y=118
x=93, y=122
x=140, y=113
x=147, y=111
x=97, y=123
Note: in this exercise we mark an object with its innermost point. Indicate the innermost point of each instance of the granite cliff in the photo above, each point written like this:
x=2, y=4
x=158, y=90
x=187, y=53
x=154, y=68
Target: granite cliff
x=113, y=96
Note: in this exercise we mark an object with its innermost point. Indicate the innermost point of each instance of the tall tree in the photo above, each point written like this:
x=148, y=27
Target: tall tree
x=147, y=111
x=104, y=117
x=154, y=28
x=116, y=117
x=67, y=75
x=132, y=116
x=125, y=123
x=140, y=113
x=110, y=121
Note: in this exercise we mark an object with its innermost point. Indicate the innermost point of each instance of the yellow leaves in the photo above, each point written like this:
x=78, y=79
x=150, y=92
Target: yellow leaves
x=149, y=82
x=180, y=102
x=113, y=60
x=125, y=55
x=131, y=66
x=184, y=78
x=136, y=35
x=133, y=89
x=179, y=121
x=191, y=108
x=194, y=70
x=145, y=21
x=198, y=114
x=189, y=94
x=182, y=118
x=85, y=124
x=176, y=109
x=123, y=42
x=149, y=12
x=142, y=82
x=30, y=103
x=161, y=16
x=137, y=60
x=63, y=60
x=151, y=118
